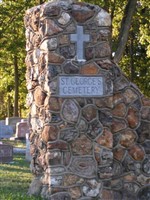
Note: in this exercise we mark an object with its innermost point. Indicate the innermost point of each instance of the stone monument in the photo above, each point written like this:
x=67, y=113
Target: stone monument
x=89, y=125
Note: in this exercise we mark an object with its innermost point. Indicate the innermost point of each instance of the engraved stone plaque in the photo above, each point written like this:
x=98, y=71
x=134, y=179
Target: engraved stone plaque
x=87, y=86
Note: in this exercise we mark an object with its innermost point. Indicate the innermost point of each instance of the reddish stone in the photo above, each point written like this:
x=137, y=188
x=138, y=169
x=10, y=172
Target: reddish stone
x=137, y=153
x=107, y=194
x=118, y=125
x=39, y=96
x=119, y=110
x=89, y=112
x=132, y=117
x=63, y=39
x=117, y=98
x=102, y=50
x=128, y=138
x=55, y=58
x=89, y=53
x=49, y=133
x=51, y=27
x=131, y=177
x=106, y=139
x=119, y=153
x=82, y=146
x=81, y=12
x=88, y=69
x=130, y=95
x=106, y=102
x=57, y=145
x=53, y=104
x=146, y=101
x=145, y=113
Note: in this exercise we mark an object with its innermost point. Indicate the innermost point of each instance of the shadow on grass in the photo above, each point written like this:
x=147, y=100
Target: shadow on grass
x=15, y=179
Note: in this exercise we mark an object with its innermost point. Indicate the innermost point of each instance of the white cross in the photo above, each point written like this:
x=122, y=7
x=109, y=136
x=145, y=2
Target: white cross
x=80, y=38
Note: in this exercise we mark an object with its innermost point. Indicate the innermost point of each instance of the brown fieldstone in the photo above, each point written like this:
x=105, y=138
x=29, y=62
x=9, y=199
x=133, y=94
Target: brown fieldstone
x=57, y=145
x=107, y=194
x=105, y=64
x=130, y=95
x=70, y=111
x=89, y=112
x=53, y=104
x=51, y=11
x=63, y=39
x=88, y=69
x=132, y=117
x=82, y=146
x=119, y=110
x=49, y=133
x=106, y=139
x=100, y=35
x=131, y=177
x=102, y=50
x=146, y=101
x=81, y=12
x=106, y=102
x=39, y=96
x=89, y=53
x=145, y=113
x=118, y=125
x=127, y=138
x=75, y=192
x=71, y=179
x=118, y=98
x=119, y=153
x=51, y=27
x=55, y=58
x=137, y=153
x=70, y=68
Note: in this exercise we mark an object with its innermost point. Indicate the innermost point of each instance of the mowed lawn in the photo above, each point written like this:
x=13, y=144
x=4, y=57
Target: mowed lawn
x=15, y=179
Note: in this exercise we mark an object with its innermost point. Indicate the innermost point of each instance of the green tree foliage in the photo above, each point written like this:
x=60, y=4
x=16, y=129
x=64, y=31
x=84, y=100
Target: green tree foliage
x=135, y=60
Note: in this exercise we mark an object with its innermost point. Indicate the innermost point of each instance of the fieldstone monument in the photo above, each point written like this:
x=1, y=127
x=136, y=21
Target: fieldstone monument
x=89, y=125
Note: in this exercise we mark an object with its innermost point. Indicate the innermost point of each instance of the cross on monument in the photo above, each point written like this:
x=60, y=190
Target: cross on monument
x=80, y=38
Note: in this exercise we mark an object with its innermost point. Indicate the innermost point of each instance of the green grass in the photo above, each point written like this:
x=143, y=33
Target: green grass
x=15, y=179
x=15, y=143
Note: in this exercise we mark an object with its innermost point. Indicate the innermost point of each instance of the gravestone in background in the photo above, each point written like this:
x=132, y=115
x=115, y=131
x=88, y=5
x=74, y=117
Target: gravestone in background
x=6, y=153
x=5, y=131
x=89, y=125
x=21, y=129
x=12, y=121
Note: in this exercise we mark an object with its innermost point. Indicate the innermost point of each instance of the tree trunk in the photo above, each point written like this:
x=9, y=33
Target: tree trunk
x=132, y=67
x=125, y=27
x=16, y=114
